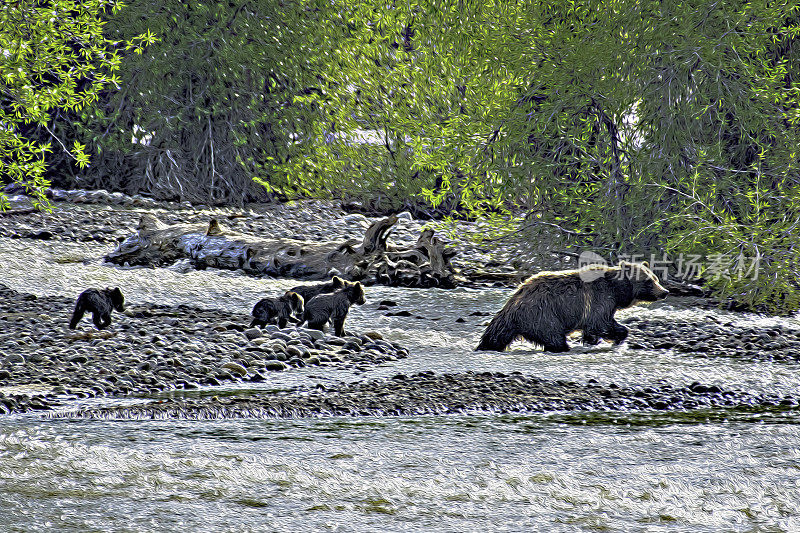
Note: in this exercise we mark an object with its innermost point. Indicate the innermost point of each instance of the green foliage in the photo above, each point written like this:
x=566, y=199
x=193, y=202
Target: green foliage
x=625, y=127
x=53, y=57
x=411, y=92
x=210, y=106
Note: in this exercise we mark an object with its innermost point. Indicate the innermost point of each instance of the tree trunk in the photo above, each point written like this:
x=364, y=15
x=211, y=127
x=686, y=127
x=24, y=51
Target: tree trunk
x=427, y=264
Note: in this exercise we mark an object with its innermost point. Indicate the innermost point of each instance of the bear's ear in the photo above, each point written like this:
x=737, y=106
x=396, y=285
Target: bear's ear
x=337, y=282
x=645, y=264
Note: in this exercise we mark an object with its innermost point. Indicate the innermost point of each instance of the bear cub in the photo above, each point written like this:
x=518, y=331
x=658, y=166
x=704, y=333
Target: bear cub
x=333, y=307
x=280, y=310
x=309, y=291
x=550, y=305
x=100, y=302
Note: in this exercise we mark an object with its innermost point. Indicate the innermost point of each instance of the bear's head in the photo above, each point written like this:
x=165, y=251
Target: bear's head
x=296, y=302
x=355, y=292
x=117, y=300
x=644, y=284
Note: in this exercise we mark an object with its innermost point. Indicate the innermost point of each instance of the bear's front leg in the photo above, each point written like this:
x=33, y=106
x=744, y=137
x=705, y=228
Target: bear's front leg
x=338, y=326
x=101, y=321
x=618, y=333
x=590, y=338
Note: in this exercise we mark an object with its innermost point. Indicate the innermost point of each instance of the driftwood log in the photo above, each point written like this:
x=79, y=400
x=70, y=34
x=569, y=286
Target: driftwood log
x=426, y=264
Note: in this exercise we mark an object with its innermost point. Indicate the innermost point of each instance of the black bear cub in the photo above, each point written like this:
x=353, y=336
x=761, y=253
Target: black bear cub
x=100, y=302
x=309, y=291
x=279, y=309
x=333, y=307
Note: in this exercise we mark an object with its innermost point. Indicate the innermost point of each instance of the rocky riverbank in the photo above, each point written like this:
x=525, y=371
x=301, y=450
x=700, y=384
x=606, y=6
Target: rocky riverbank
x=427, y=393
x=716, y=338
x=153, y=349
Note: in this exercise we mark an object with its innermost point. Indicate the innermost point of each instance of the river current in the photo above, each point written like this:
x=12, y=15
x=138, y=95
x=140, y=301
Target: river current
x=576, y=471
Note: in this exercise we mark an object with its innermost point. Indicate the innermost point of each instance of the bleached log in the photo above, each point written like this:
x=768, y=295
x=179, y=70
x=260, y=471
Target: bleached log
x=155, y=244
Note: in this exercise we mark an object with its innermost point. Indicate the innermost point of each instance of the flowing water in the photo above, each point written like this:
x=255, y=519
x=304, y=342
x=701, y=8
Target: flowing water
x=702, y=471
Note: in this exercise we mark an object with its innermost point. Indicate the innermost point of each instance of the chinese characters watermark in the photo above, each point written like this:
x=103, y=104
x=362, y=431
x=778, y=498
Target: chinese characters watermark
x=684, y=266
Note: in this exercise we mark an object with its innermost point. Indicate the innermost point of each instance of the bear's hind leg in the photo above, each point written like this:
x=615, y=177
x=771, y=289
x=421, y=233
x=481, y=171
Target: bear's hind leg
x=551, y=343
x=317, y=322
x=76, y=316
x=499, y=334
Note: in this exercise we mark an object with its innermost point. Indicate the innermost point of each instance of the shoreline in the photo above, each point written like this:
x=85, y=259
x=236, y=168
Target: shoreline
x=152, y=349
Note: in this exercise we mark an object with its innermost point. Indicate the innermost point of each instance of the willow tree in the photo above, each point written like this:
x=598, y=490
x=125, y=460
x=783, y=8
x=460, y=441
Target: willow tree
x=210, y=106
x=54, y=59
x=622, y=126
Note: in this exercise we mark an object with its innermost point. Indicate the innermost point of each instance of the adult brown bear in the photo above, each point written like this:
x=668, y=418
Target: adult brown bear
x=550, y=305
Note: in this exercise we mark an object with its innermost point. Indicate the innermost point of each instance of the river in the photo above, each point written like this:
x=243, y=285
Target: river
x=576, y=471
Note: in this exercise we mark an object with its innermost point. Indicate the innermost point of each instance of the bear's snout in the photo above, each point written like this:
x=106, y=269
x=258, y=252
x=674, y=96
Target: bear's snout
x=662, y=294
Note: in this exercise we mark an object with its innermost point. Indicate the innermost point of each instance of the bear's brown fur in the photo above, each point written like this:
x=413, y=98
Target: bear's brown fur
x=333, y=307
x=278, y=310
x=550, y=305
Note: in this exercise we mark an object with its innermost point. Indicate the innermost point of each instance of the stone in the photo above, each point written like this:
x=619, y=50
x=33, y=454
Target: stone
x=295, y=351
x=356, y=218
x=252, y=333
x=235, y=368
x=275, y=365
x=14, y=359
x=315, y=334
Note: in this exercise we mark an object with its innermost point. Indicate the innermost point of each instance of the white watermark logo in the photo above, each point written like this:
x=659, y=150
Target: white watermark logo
x=589, y=259
x=685, y=266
